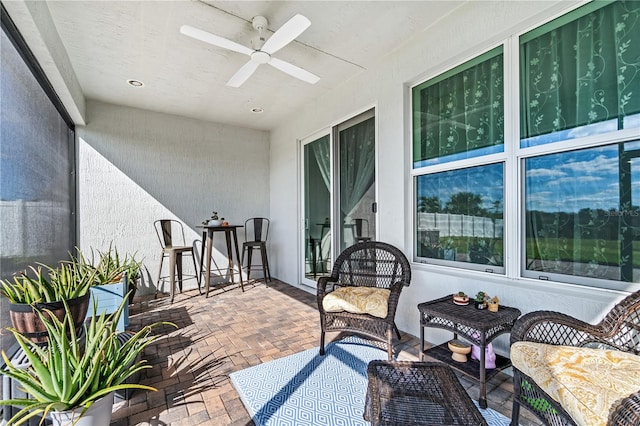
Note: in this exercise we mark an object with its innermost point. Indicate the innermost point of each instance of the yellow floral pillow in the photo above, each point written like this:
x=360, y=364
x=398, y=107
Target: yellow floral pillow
x=358, y=300
x=587, y=382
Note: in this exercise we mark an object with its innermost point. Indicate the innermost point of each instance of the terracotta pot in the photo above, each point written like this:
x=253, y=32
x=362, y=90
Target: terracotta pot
x=27, y=322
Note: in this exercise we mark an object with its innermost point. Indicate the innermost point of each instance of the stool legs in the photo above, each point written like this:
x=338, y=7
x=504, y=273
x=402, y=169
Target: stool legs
x=175, y=265
x=265, y=261
x=172, y=273
x=249, y=253
x=159, y=274
x=199, y=275
x=179, y=267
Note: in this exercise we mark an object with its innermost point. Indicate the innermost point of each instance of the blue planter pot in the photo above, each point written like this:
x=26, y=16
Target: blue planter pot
x=108, y=298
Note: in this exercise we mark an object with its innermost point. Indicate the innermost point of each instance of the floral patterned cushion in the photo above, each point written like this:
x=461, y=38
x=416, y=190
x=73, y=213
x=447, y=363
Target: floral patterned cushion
x=358, y=300
x=587, y=382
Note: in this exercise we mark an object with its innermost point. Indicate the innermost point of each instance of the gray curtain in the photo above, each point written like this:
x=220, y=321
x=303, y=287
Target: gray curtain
x=357, y=163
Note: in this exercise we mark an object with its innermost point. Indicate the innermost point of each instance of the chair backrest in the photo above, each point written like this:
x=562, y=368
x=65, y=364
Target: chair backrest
x=371, y=264
x=256, y=229
x=170, y=232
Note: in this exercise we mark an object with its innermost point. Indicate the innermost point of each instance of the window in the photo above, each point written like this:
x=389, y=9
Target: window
x=461, y=113
x=577, y=159
x=583, y=214
x=460, y=216
x=37, y=194
x=581, y=77
x=459, y=212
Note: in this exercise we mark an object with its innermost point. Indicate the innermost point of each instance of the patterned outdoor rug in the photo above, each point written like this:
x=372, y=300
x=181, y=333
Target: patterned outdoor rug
x=307, y=389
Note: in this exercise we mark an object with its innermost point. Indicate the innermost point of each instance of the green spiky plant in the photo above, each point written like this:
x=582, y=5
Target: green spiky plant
x=111, y=266
x=74, y=371
x=68, y=280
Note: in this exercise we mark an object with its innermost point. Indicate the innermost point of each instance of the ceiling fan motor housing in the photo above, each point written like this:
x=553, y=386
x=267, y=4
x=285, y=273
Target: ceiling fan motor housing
x=260, y=57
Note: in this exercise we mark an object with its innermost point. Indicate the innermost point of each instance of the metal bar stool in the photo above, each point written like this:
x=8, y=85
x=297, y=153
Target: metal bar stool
x=171, y=231
x=256, y=231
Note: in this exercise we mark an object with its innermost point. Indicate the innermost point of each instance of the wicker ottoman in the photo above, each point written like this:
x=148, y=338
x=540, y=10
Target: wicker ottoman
x=417, y=393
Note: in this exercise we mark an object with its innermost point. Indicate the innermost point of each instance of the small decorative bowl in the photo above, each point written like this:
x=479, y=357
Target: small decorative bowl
x=214, y=222
x=460, y=300
x=459, y=350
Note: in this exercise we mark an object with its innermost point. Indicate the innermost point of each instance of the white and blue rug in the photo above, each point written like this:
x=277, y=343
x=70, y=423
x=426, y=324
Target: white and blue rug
x=307, y=389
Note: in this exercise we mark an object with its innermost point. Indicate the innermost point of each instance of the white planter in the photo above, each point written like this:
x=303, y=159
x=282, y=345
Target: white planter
x=99, y=414
x=215, y=222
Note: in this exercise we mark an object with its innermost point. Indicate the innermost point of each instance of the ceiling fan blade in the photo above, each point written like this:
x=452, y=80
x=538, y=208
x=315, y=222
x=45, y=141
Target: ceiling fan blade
x=243, y=74
x=207, y=37
x=286, y=34
x=294, y=71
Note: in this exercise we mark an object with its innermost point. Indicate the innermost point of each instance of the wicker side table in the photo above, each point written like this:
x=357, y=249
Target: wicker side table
x=479, y=327
x=417, y=393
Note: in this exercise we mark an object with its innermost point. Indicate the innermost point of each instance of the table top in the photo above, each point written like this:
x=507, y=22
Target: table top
x=414, y=386
x=220, y=227
x=479, y=319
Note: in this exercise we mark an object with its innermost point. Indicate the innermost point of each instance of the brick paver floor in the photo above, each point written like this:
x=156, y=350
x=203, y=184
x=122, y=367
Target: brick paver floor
x=229, y=331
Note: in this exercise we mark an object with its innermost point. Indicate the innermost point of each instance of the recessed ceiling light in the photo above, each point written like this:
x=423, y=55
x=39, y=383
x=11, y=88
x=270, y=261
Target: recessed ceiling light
x=257, y=110
x=135, y=83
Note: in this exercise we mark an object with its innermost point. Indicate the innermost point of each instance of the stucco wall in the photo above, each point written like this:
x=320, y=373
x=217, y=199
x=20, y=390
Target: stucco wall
x=473, y=28
x=137, y=166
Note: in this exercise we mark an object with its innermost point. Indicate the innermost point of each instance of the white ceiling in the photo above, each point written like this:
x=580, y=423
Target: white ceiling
x=109, y=42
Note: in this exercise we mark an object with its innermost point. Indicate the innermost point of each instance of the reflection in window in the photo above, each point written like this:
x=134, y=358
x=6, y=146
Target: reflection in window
x=460, y=215
x=582, y=214
x=579, y=74
x=37, y=203
x=460, y=114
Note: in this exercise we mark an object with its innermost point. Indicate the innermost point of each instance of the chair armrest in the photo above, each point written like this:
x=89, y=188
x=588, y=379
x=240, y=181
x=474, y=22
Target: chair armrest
x=555, y=328
x=321, y=288
x=394, y=298
x=627, y=412
x=324, y=282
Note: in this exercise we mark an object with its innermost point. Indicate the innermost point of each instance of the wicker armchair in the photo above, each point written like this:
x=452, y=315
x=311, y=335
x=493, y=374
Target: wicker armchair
x=370, y=264
x=619, y=330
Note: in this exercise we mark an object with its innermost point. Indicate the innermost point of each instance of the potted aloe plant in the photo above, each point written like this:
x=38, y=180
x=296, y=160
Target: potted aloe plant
x=113, y=281
x=72, y=379
x=110, y=286
x=45, y=288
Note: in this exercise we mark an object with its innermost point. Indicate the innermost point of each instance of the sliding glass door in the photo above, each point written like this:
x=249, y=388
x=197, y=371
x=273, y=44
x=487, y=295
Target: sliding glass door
x=338, y=199
x=357, y=170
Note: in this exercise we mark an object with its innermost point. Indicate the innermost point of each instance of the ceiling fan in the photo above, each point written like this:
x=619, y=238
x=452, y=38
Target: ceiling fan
x=262, y=49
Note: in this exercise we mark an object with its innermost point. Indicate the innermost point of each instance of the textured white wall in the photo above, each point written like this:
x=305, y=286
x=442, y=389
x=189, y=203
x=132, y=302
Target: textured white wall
x=136, y=166
x=473, y=28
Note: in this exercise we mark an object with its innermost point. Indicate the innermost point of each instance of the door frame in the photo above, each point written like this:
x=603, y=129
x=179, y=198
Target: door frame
x=332, y=131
